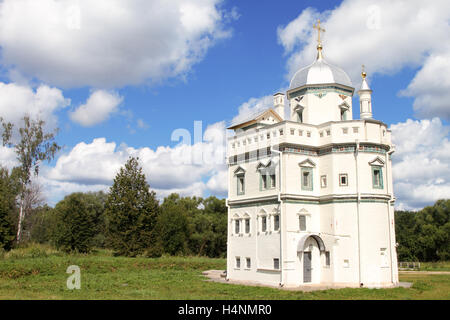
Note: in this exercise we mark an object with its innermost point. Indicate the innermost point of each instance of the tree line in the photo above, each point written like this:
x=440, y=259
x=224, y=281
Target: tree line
x=130, y=220
x=424, y=235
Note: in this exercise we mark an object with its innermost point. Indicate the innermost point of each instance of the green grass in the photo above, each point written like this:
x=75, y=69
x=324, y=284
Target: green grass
x=435, y=266
x=40, y=273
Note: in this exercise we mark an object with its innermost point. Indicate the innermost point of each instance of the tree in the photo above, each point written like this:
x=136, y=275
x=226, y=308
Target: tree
x=424, y=235
x=8, y=193
x=209, y=232
x=43, y=224
x=75, y=227
x=172, y=227
x=191, y=225
x=33, y=199
x=131, y=211
x=33, y=147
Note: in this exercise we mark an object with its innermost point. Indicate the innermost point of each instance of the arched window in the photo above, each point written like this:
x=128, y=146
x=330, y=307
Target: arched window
x=246, y=223
x=237, y=224
x=275, y=220
x=263, y=221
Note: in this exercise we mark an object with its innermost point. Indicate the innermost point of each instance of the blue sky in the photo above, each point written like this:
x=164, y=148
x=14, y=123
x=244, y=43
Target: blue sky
x=222, y=56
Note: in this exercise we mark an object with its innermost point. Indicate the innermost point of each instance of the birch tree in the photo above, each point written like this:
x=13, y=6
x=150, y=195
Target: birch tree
x=33, y=146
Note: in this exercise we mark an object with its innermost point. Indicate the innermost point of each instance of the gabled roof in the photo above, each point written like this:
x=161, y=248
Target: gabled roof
x=255, y=118
x=377, y=162
x=307, y=163
x=239, y=169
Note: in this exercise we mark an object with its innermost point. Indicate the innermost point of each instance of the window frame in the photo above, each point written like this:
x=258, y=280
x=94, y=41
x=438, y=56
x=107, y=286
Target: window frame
x=237, y=264
x=276, y=263
x=276, y=224
x=327, y=259
x=264, y=223
x=343, y=175
x=323, y=178
x=238, y=179
x=304, y=218
x=247, y=224
x=308, y=170
x=381, y=182
x=237, y=226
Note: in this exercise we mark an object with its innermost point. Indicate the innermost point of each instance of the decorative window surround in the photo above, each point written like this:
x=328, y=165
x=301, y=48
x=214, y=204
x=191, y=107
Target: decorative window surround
x=377, y=165
x=343, y=180
x=323, y=181
x=306, y=174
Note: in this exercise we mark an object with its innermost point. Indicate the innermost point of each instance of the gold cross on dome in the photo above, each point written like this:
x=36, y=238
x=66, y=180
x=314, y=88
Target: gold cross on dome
x=319, y=29
x=363, y=73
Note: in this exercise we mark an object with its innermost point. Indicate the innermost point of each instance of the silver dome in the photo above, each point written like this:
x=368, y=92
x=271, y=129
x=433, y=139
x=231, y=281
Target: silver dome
x=320, y=72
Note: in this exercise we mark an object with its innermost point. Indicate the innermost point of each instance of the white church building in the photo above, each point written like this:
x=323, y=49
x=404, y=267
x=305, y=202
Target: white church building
x=310, y=197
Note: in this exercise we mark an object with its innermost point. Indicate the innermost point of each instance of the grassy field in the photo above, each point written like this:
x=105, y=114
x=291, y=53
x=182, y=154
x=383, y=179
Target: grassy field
x=40, y=273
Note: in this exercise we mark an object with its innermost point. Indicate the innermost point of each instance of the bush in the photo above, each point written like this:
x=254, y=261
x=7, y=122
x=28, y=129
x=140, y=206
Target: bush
x=75, y=229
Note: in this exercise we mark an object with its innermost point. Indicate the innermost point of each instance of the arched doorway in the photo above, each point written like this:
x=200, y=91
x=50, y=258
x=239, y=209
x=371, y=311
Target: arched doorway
x=310, y=248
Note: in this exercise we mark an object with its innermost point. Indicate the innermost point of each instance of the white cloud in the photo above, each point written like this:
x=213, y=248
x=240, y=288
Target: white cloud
x=7, y=157
x=252, y=106
x=386, y=36
x=431, y=87
x=218, y=183
x=421, y=169
x=108, y=43
x=16, y=101
x=182, y=168
x=99, y=106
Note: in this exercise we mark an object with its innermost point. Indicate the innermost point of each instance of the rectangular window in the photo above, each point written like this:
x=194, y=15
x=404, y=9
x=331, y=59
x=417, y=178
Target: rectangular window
x=276, y=222
x=264, y=224
x=238, y=262
x=263, y=181
x=343, y=180
x=300, y=116
x=327, y=258
x=323, y=181
x=272, y=181
x=241, y=185
x=247, y=156
x=355, y=129
x=237, y=226
x=247, y=225
x=346, y=263
x=292, y=131
x=377, y=177
x=248, y=263
x=276, y=264
x=281, y=132
x=306, y=179
x=302, y=223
